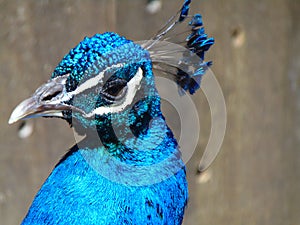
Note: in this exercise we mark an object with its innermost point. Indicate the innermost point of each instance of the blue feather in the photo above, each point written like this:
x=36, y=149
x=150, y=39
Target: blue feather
x=198, y=43
x=184, y=10
x=75, y=194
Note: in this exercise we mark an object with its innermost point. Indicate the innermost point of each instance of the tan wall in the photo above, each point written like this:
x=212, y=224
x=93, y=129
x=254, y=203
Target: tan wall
x=256, y=177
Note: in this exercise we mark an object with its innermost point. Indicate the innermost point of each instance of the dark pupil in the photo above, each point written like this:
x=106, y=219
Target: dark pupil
x=114, y=90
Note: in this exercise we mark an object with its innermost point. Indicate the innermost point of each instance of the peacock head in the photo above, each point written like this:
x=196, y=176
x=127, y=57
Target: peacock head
x=106, y=84
x=104, y=78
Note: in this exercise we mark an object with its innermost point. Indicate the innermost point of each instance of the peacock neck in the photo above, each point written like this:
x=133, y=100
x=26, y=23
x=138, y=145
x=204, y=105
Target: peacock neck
x=134, y=147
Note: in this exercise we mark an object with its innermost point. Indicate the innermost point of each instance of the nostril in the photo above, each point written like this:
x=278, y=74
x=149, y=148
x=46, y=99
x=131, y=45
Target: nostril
x=50, y=96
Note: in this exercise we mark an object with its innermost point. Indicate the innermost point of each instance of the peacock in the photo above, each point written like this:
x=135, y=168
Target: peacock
x=128, y=168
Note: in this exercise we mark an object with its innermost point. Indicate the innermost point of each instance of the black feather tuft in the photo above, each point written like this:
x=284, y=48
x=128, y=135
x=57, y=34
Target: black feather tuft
x=198, y=43
x=188, y=57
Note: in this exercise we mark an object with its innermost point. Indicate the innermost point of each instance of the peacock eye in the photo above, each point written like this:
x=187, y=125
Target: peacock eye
x=114, y=90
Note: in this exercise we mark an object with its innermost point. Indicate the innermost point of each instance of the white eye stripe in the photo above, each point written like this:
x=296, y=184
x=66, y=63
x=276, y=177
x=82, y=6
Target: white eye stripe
x=92, y=82
x=133, y=86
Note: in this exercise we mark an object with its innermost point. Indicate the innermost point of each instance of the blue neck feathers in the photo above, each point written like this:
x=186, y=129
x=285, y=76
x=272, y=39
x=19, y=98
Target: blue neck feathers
x=92, y=185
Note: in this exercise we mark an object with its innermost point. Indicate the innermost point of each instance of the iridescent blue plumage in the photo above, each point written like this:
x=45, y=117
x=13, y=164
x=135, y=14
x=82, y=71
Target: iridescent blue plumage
x=96, y=53
x=184, y=10
x=128, y=168
x=118, y=180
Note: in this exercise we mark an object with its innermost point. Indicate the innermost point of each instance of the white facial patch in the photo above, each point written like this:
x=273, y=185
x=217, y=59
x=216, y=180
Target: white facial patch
x=92, y=82
x=133, y=86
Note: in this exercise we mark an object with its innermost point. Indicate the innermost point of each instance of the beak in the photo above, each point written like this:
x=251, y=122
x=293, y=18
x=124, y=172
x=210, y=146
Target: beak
x=47, y=101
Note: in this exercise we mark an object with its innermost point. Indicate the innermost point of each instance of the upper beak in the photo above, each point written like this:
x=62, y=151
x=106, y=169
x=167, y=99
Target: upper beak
x=30, y=108
x=48, y=100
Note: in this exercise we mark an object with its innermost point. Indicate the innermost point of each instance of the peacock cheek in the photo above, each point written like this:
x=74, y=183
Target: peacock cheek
x=87, y=101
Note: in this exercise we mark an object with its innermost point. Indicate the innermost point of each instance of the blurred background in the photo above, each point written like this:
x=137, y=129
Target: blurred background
x=256, y=177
